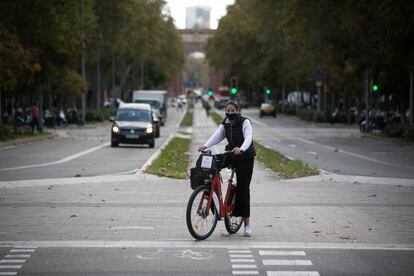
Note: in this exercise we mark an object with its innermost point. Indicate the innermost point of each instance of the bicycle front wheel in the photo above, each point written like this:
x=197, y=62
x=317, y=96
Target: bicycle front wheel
x=200, y=224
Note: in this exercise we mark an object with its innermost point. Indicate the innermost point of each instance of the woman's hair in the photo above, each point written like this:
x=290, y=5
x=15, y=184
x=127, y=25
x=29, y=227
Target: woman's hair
x=233, y=103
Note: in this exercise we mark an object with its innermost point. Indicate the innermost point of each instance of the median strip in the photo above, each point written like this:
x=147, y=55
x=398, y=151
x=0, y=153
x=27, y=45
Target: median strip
x=275, y=161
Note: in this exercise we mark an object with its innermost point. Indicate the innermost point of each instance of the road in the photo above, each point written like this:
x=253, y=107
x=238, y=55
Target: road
x=339, y=148
x=76, y=152
x=121, y=223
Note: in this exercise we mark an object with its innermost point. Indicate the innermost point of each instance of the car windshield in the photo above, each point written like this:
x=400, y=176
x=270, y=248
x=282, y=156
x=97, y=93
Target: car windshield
x=153, y=103
x=133, y=115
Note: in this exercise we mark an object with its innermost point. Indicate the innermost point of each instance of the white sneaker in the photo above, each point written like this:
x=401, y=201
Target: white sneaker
x=247, y=231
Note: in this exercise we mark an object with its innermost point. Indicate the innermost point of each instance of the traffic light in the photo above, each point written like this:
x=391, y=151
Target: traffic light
x=267, y=91
x=210, y=93
x=233, y=85
x=373, y=86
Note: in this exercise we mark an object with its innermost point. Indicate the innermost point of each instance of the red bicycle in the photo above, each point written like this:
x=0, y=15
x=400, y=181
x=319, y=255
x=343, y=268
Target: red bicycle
x=206, y=205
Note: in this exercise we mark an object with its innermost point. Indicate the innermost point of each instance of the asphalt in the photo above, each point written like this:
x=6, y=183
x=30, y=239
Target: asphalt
x=325, y=211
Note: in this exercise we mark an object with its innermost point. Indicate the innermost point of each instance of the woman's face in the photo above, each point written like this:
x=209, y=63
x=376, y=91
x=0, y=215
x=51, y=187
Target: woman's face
x=230, y=109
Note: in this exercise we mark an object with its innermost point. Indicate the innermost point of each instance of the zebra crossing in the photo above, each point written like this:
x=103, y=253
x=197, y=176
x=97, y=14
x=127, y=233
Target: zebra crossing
x=14, y=260
x=275, y=262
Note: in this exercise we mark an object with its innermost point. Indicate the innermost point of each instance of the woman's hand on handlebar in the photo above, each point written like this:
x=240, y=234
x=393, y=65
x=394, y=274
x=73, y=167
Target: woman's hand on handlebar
x=237, y=151
x=202, y=147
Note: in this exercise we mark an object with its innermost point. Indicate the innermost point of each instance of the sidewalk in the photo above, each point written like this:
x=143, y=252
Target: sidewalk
x=144, y=208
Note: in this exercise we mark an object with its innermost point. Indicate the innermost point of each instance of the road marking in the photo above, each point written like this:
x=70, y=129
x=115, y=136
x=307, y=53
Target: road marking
x=10, y=266
x=17, y=256
x=241, y=256
x=8, y=273
x=12, y=261
x=244, y=266
x=305, y=141
x=313, y=153
x=286, y=262
x=242, y=260
x=281, y=253
x=239, y=251
x=132, y=227
x=21, y=250
x=293, y=273
x=242, y=272
x=257, y=122
x=365, y=157
x=64, y=160
x=193, y=244
x=292, y=146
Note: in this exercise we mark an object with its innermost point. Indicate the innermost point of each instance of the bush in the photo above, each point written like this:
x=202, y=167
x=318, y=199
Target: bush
x=395, y=129
x=5, y=131
x=409, y=133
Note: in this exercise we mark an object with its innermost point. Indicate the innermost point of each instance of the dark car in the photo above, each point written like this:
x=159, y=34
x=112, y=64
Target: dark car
x=133, y=124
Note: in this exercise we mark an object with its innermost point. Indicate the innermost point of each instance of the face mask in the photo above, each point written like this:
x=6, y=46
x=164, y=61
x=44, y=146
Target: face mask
x=231, y=116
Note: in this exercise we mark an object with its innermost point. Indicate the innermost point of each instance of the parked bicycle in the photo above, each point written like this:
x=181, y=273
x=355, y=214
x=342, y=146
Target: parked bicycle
x=206, y=205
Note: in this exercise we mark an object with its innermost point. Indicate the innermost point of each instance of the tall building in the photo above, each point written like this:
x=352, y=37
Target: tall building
x=198, y=17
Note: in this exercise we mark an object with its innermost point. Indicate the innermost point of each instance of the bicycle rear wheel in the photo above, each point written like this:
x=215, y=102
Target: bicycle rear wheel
x=201, y=225
x=231, y=222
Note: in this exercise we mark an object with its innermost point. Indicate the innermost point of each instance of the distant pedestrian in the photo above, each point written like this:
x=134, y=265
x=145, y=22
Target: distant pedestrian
x=207, y=108
x=35, y=118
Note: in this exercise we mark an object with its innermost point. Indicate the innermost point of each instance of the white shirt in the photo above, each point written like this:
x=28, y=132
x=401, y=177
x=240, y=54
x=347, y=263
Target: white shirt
x=220, y=134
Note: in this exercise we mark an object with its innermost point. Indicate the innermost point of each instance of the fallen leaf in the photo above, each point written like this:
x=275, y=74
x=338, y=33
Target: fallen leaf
x=372, y=196
x=345, y=237
x=317, y=232
x=73, y=216
x=269, y=225
x=124, y=247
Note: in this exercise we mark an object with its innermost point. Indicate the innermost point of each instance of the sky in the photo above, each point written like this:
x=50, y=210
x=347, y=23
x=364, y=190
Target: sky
x=177, y=8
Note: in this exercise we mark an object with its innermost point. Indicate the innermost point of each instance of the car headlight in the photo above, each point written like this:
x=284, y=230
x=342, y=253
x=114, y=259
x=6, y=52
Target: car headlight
x=149, y=129
x=115, y=129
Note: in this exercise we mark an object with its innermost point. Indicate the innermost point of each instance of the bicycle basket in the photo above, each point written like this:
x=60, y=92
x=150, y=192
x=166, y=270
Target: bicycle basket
x=198, y=177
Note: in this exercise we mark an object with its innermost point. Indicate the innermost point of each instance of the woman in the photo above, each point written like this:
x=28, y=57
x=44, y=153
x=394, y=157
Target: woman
x=239, y=134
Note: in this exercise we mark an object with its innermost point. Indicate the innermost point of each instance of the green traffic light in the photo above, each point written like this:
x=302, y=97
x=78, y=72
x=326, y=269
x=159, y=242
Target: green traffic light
x=375, y=88
x=268, y=91
x=210, y=93
x=233, y=90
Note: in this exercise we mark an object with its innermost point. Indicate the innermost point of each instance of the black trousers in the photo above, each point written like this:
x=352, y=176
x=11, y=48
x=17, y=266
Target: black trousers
x=244, y=171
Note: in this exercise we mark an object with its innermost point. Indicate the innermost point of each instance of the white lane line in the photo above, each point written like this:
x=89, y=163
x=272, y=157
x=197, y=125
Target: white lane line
x=12, y=261
x=293, y=273
x=8, y=273
x=292, y=146
x=10, y=266
x=188, y=243
x=17, y=256
x=281, y=253
x=241, y=256
x=257, y=122
x=286, y=262
x=244, y=272
x=240, y=251
x=365, y=157
x=244, y=266
x=66, y=159
x=242, y=260
x=305, y=141
x=132, y=227
x=21, y=250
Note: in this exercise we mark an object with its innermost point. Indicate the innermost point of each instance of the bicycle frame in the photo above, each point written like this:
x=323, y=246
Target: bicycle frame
x=216, y=195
